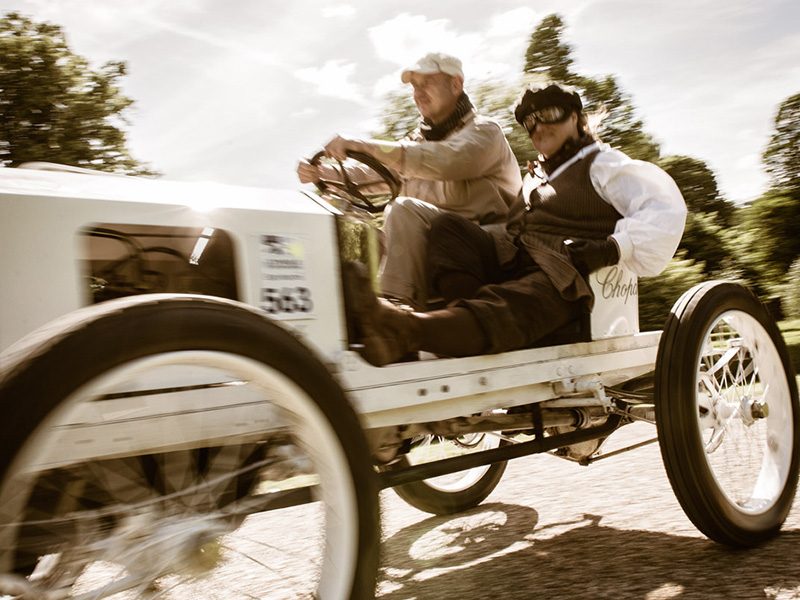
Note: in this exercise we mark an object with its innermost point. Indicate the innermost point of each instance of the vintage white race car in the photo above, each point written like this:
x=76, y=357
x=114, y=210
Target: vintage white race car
x=176, y=366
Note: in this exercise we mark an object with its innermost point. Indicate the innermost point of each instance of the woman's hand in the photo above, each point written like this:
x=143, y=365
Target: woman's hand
x=590, y=255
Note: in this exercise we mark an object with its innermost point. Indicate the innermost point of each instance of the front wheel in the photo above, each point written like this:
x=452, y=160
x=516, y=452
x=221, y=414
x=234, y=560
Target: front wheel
x=727, y=414
x=144, y=443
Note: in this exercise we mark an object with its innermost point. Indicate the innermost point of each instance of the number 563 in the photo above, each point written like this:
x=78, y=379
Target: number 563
x=286, y=300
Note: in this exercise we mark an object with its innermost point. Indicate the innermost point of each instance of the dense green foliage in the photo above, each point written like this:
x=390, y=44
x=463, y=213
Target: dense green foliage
x=705, y=240
x=658, y=294
x=54, y=107
x=769, y=240
x=699, y=187
x=791, y=292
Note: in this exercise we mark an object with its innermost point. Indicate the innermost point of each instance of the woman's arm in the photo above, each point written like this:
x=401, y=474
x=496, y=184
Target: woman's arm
x=652, y=208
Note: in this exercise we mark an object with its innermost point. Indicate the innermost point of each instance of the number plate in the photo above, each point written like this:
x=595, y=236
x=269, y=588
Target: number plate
x=285, y=291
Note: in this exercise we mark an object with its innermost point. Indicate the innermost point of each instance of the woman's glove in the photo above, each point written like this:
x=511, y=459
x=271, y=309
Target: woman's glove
x=590, y=255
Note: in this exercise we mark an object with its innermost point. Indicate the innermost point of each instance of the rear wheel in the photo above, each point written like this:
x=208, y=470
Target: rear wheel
x=449, y=494
x=148, y=441
x=727, y=414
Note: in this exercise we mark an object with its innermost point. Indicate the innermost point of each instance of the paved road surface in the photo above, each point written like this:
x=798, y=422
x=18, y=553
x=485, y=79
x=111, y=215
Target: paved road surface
x=552, y=530
x=556, y=530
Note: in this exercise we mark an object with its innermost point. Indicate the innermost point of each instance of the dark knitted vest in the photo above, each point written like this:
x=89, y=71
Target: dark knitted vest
x=570, y=207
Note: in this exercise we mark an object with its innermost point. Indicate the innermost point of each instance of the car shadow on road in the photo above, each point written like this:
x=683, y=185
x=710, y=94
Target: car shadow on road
x=497, y=551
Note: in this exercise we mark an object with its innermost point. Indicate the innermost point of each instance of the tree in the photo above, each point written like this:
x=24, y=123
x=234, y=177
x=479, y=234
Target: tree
x=782, y=155
x=399, y=118
x=703, y=240
x=547, y=53
x=767, y=228
x=698, y=186
x=768, y=235
x=54, y=107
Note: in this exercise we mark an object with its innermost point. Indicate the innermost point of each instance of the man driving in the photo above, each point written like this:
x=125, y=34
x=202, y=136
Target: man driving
x=456, y=161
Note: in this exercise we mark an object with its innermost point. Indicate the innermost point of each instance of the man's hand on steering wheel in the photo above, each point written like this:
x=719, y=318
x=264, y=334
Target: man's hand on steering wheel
x=338, y=147
x=310, y=171
x=341, y=184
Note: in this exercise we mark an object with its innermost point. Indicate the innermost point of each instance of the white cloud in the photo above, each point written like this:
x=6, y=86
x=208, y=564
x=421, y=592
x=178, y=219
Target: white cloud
x=339, y=11
x=386, y=84
x=333, y=79
x=499, y=55
x=404, y=38
x=113, y=14
x=235, y=47
x=750, y=160
x=305, y=113
x=493, y=53
x=515, y=22
x=101, y=29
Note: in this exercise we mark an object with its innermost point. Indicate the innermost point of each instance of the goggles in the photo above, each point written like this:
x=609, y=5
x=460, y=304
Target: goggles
x=547, y=115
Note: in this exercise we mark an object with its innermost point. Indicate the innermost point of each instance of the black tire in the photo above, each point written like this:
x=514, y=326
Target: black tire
x=60, y=361
x=727, y=414
x=470, y=488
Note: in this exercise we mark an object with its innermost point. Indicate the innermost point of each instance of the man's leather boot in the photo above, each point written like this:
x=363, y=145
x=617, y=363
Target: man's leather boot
x=387, y=333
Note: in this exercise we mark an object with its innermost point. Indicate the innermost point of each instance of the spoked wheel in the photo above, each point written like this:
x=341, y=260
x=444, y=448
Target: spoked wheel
x=145, y=443
x=449, y=494
x=727, y=414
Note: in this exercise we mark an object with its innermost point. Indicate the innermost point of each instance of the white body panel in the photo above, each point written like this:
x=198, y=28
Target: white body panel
x=443, y=388
x=395, y=395
x=41, y=214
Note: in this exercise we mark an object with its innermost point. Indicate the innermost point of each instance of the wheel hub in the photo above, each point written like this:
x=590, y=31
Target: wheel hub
x=150, y=545
x=753, y=410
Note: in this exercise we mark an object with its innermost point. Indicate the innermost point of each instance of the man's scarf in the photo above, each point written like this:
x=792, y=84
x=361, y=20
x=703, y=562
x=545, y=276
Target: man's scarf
x=434, y=133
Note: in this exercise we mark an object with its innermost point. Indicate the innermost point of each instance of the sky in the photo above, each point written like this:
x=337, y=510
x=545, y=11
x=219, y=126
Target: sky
x=237, y=91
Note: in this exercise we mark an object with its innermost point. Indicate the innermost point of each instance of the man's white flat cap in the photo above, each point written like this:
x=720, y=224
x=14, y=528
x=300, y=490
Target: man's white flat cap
x=435, y=62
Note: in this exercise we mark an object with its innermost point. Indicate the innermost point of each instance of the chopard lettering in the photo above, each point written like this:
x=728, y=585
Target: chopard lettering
x=613, y=286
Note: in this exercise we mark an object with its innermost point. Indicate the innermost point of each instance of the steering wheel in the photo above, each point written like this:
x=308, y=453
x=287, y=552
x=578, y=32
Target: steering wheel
x=350, y=190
